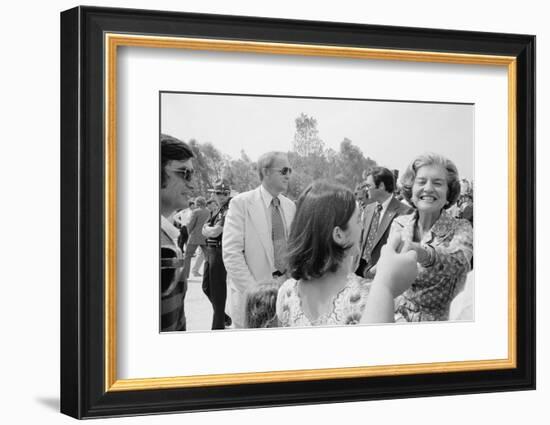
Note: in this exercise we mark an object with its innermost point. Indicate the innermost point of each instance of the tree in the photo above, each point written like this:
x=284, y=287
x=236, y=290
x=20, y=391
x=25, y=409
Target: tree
x=306, y=138
x=242, y=173
x=353, y=165
x=208, y=163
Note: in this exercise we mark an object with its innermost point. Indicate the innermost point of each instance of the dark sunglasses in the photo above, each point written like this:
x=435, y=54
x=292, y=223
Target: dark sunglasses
x=185, y=173
x=218, y=192
x=284, y=171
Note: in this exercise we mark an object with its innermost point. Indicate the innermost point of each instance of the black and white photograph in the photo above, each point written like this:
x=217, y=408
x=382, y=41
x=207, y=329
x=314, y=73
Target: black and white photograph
x=287, y=211
x=264, y=209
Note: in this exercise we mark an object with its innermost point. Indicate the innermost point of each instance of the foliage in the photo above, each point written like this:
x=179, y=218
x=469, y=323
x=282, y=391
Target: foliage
x=306, y=139
x=309, y=159
x=242, y=173
x=353, y=165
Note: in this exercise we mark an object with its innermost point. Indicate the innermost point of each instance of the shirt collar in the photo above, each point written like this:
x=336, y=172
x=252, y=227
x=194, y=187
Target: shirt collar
x=168, y=228
x=266, y=196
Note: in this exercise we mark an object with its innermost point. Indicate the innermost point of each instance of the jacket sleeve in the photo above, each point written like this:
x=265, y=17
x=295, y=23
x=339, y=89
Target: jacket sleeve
x=234, y=246
x=192, y=221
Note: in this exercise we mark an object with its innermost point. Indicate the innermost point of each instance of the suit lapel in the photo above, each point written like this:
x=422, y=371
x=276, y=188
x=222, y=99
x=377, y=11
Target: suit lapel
x=369, y=212
x=390, y=213
x=258, y=219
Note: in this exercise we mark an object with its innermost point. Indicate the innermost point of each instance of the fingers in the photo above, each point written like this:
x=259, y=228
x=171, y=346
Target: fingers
x=412, y=255
x=394, y=242
x=407, y=245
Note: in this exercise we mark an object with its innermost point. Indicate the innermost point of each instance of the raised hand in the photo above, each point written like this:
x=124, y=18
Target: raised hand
x=396, y=269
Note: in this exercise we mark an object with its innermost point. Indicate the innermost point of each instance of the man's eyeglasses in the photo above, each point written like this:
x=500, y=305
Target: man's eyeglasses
x=185, y=173
x=219, y=192
x=283, y=171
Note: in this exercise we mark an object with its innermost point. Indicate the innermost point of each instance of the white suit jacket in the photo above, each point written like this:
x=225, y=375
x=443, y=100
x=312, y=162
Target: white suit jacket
x=248, y=246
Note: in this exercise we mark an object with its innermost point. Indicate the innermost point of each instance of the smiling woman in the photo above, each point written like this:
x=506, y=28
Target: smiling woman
x=443, y=243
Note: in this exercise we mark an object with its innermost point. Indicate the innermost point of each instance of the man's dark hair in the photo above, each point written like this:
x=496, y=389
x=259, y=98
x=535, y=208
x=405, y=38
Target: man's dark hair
x=383, y=175
x=312, y=250
x=172, y=149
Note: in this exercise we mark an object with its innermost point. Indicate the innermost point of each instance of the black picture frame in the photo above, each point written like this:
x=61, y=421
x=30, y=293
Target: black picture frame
x=83, y=169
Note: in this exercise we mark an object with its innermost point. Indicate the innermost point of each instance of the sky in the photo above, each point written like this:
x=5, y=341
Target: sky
x=391, y=133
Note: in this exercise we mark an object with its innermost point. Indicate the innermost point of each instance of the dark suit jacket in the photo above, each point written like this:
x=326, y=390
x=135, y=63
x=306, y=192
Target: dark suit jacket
x=395, y=208
x=197, y=220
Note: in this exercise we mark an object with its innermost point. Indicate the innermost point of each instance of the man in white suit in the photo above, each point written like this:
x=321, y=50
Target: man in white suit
x=255, y=232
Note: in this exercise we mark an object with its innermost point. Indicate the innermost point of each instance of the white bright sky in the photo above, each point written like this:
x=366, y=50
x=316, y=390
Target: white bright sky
x=391, y=133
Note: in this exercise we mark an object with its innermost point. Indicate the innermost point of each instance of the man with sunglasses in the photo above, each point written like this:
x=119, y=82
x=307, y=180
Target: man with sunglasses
x=214, y=280
x=256, y=230
x=175, y=187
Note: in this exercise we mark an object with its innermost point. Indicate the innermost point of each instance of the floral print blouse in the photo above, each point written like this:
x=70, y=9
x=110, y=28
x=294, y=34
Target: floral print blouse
x=431, y=293
x=347, y=306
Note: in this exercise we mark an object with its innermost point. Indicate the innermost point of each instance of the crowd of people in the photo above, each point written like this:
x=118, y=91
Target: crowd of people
x=386, y=252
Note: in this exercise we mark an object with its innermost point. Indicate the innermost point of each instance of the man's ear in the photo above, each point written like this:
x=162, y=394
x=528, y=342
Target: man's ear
x=382, y=186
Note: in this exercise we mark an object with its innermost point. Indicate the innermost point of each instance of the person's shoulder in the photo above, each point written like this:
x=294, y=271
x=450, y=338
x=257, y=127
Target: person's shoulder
x=287, y=288
x=401, y=207
x=462, y=225
x=245, y=196
x=355, y=282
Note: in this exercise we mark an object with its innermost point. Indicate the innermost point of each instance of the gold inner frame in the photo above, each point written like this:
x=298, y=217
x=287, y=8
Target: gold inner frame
x=113, y=41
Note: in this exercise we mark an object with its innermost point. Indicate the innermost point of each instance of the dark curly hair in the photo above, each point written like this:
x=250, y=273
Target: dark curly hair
x=172, y=149
x=261, y=305
x=321, y=207
x=453, y=180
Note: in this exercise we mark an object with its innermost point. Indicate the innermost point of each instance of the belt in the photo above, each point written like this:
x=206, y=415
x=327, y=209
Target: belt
x=171, y=263
x=214, y=244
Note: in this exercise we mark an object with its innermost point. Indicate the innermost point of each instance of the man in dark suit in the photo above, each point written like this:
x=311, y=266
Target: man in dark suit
x=377, y=217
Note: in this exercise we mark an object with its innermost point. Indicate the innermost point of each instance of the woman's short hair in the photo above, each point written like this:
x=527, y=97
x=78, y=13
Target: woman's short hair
x=261, y=305
x=453, y=181
x=200, y=201
x=321, y=207
x=267, y=160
